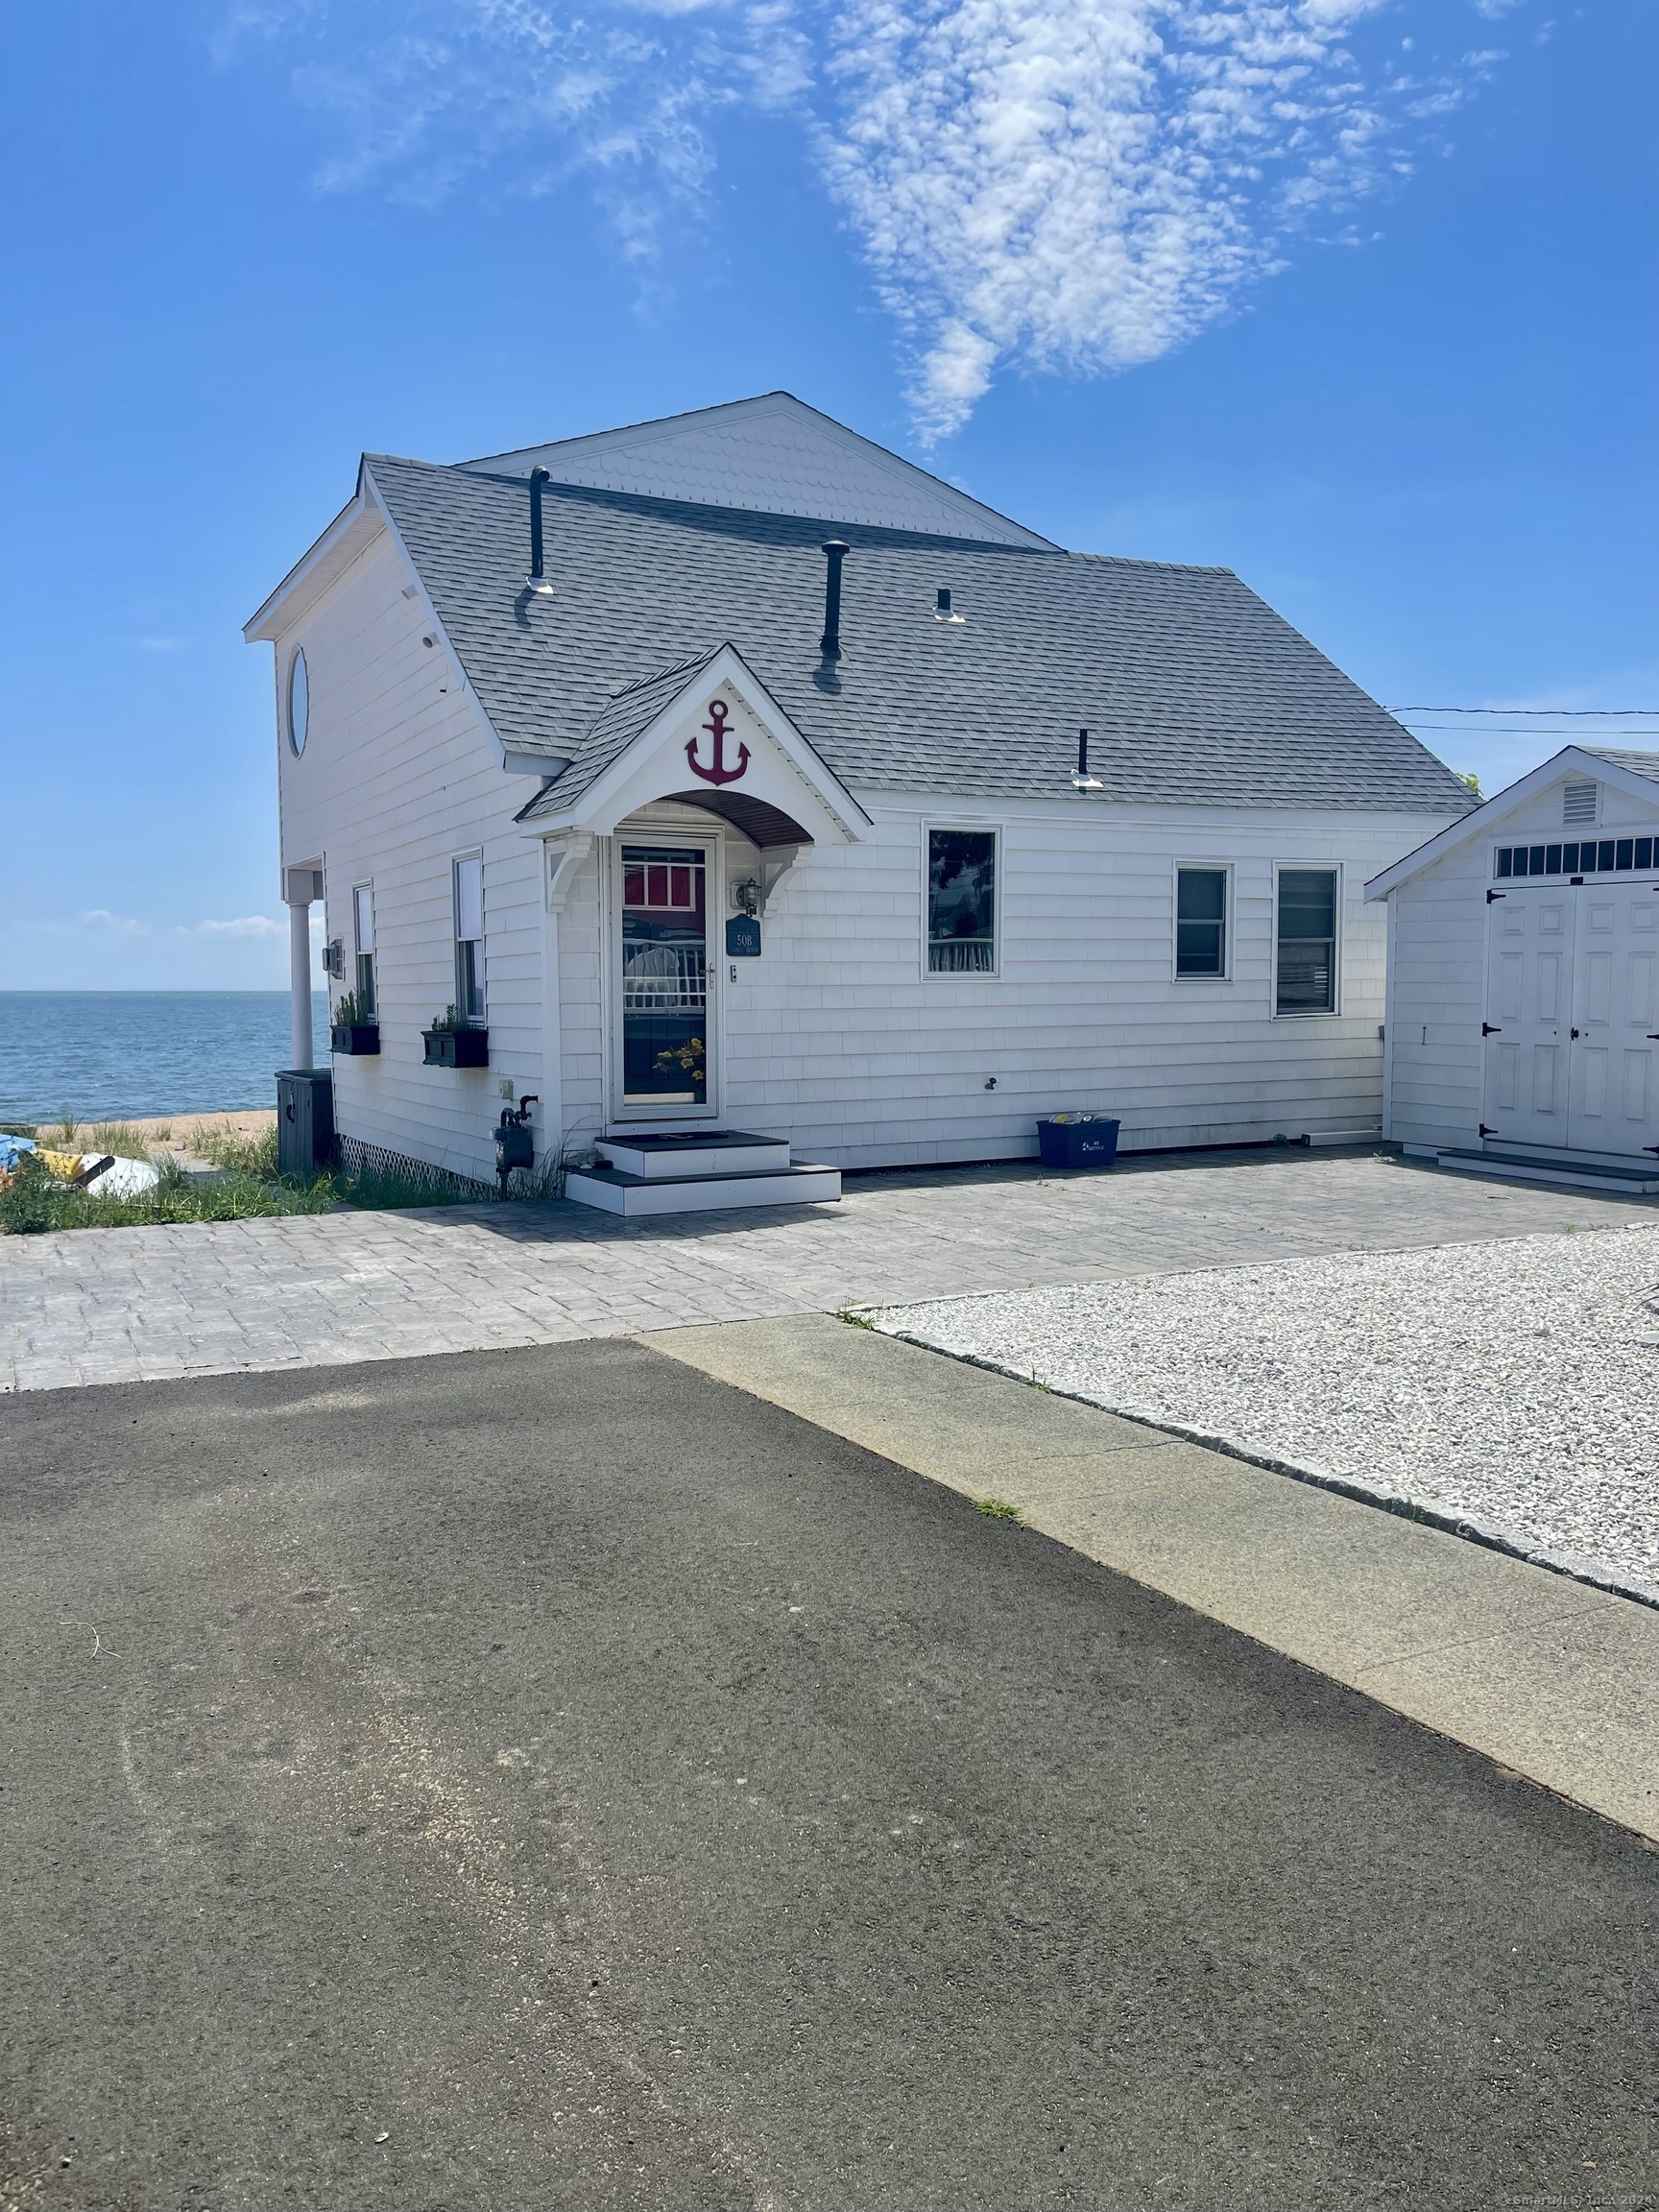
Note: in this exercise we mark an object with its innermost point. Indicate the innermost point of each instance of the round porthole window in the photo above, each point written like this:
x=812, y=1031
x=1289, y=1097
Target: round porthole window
x=299, y=703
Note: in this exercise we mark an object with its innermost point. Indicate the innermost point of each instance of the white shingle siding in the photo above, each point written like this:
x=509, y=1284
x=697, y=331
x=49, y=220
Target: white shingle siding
x=397, y=777
x=839, y=1038
x=772, y=455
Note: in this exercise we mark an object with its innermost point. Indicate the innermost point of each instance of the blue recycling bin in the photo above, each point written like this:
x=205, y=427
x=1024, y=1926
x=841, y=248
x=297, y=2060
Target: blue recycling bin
x=1077, y=1139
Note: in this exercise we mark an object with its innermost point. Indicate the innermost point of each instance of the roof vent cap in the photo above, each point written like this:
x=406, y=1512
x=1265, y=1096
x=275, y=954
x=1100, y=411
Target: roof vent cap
x=537, y=582
x=836, y=551
x=1083, y=781
x=942, y=608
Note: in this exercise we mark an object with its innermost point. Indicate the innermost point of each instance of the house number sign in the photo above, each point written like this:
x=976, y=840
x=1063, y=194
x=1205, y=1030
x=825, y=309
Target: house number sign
x=716, y=770
x=743, y=938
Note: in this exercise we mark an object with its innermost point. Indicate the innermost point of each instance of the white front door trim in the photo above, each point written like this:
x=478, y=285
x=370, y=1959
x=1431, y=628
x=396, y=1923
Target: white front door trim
x=712, y=843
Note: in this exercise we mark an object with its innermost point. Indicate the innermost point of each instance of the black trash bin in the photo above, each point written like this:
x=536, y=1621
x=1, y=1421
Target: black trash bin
x=304, y=1120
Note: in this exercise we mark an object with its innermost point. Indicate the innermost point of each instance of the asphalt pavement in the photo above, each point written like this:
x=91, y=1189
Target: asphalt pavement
x=554, y=1778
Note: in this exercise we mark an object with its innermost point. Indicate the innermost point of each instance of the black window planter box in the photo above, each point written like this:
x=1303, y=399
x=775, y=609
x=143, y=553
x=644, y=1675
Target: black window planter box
x=361, y=1038
x=457, y=1047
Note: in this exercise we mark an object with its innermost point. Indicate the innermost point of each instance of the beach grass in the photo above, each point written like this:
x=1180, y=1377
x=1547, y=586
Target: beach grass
x=117, y=1137
x=228, y=1146
x=242, y=1183
x=33, y=1202
x=244, y=1187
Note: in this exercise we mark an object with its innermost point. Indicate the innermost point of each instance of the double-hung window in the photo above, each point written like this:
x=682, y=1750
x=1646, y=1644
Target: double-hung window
x=363, y=925
x=1307, y=962
x=1200, y=921
x=470, y=940
x=962, y=901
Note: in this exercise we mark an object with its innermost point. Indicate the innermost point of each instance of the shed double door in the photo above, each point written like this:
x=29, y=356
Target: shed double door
x=1572, y=1028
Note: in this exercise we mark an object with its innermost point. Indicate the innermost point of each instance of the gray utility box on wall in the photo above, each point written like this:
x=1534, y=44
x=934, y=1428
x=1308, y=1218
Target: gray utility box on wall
x=304, y=1120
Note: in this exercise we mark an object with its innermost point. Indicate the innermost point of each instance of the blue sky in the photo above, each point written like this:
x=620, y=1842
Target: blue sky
x=1354, y=296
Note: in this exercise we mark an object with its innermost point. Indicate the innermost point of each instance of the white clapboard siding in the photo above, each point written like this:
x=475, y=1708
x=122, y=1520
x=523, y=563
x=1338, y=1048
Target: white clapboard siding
x=399, y=774
x=838, y=1039
x=1437, y=984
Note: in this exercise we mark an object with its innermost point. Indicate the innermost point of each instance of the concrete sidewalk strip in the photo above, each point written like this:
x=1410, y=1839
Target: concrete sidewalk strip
x=1549, y=1677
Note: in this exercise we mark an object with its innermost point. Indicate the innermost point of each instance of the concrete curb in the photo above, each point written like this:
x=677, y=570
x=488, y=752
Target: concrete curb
x=1552, y=1678
x=1462, y=1524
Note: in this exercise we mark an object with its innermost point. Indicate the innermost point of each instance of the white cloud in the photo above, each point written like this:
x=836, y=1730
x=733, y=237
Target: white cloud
x=245, y=926
x=101, y=918
x=423, y=96
x=99, y=921
x=1082, y=184
x=1070, y=185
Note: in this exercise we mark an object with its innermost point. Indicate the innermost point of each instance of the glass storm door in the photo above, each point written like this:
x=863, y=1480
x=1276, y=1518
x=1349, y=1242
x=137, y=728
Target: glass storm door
x=664, y=977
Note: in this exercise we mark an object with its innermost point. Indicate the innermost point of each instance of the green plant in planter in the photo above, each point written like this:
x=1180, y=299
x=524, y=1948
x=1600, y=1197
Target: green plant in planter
x=451, y=1018
x=348, y=1014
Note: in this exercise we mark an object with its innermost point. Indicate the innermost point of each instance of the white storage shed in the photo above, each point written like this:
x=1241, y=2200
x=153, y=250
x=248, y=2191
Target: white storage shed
x=1523, y=1024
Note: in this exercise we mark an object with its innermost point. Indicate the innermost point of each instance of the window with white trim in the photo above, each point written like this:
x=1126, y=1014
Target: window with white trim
x=363, y=927
x=1306, y=929
x=1200, y=921
x=962, y=901
x=470, y=939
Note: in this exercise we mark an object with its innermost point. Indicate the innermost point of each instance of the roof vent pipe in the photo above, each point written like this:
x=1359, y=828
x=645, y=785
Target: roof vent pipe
x=1083, y=781
x=836, y=551
x=537, y=581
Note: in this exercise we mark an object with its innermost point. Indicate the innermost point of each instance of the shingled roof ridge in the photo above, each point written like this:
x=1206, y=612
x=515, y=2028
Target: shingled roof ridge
x=1175, y=568
x=686, y=667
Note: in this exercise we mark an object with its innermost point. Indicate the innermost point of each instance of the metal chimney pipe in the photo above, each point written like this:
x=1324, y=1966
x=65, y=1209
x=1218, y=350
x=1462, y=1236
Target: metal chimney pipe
x=537, y=580
x=1082, y=752
x=836, y=551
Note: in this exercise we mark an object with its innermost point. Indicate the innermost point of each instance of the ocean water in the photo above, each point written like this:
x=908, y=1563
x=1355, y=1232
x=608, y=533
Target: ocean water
x=117, y=1055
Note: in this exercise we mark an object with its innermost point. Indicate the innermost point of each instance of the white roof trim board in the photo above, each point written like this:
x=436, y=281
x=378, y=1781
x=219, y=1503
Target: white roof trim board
x=639, y=720
x=771, y=455
x=1609, y=767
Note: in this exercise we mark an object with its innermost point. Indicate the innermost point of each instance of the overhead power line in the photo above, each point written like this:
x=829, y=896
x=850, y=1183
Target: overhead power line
x=1549, y=714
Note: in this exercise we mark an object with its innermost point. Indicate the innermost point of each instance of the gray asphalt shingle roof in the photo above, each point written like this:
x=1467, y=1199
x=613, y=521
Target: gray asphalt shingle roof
x=1638, y=763
x=1192, y=688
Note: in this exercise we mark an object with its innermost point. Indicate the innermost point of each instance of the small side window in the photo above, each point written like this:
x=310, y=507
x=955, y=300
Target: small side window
x=1307, y=941
x=470, y=940
x=1201, y=921
x=962, y=901
x=299, y=703
x=363, y=921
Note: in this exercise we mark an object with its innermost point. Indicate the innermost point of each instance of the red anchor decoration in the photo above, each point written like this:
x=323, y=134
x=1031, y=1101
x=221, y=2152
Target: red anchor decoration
x=717, y=772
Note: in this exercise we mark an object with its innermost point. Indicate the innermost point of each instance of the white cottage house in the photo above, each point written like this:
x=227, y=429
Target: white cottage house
x=1522, y=1026
x=722, y=777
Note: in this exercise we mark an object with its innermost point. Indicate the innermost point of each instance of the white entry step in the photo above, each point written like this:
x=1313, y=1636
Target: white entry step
x=1571, y=1174
x=675, y=1154
x=697, y=1172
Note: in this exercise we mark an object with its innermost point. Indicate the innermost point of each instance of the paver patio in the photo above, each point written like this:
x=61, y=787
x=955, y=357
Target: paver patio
x=137, y=1305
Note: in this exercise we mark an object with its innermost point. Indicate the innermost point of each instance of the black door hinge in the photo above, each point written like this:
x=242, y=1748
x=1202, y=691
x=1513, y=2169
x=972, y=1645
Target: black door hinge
x=1571, y=1032
x=1650, y=1147
x=1491, y=894
x=1490, y=1029
x=1485, y=1131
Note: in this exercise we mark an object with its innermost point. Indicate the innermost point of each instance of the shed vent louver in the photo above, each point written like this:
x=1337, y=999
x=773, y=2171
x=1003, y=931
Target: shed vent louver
x=1578, y=802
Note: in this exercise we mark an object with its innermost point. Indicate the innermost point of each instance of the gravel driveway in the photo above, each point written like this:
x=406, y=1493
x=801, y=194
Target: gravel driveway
x=1514, y=1384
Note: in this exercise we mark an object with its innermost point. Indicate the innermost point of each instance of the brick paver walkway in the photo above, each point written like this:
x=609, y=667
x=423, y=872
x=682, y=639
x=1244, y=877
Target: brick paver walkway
x=137, y=1305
